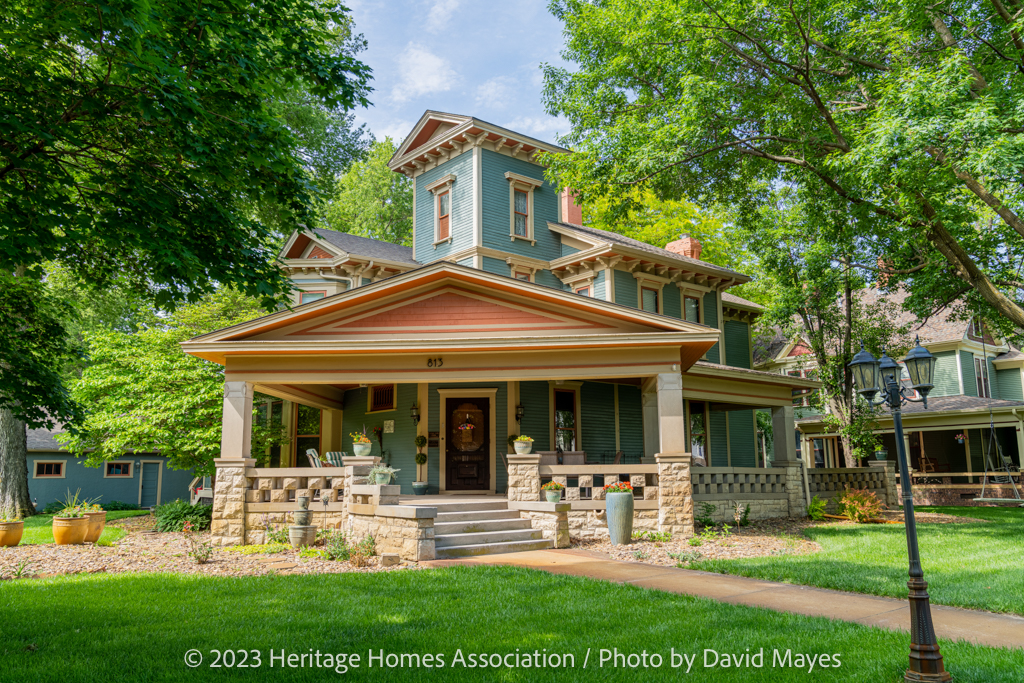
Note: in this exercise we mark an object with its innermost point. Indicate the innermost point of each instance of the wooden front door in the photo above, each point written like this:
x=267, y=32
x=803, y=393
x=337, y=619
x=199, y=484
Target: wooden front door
x=468, y=448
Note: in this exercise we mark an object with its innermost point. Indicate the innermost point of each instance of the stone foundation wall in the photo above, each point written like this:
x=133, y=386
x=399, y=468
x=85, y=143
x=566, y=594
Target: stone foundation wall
x=724, y=510
x=411, y=538
x=552, y=525
x=256, y=523
x=593, y=524
x=228, y=525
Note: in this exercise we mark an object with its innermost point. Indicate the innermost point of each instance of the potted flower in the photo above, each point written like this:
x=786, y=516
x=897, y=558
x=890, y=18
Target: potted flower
x=70, y=525
x=381, y=474
x=960, y=438
x=361, y=443
x=619, y=501
x=97, y=517
x=419, y=487
x=552, y=491
x=881, y=454
x=523, y=444
x=11, y=528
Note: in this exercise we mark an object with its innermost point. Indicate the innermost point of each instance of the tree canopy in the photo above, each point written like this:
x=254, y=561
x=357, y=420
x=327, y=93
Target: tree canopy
x=908, y=114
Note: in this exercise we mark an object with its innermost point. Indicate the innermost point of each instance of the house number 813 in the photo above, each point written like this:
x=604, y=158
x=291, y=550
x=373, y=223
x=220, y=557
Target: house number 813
x=434, y=362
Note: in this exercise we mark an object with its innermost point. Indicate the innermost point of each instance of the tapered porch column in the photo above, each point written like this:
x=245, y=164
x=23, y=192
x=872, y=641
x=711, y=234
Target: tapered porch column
x=784, y=450
x=675, y=491
x=228, y=525
x=649, y=404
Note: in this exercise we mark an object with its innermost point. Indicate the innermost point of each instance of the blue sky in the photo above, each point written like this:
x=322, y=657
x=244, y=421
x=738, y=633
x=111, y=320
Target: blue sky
x=479, y=58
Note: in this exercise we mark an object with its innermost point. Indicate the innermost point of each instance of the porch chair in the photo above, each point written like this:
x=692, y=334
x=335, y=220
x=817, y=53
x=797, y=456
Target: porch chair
x=334, y=458
x=314, y=458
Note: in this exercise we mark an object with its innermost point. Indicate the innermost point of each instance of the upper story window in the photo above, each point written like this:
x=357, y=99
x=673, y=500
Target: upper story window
x=981, y=376
x=444, y=204
x=649, y=299
x=382, y=397
x=584, y=291
x=802, y=397
x=691, y=309
x=521, y=202
x=306, y=297
x=521, y=211
x=523, y=275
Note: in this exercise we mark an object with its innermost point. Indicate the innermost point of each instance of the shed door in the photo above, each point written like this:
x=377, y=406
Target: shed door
x=149, y=497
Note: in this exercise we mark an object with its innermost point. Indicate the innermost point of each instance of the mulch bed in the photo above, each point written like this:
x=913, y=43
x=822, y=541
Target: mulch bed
x=144, y=550
x=782, y=536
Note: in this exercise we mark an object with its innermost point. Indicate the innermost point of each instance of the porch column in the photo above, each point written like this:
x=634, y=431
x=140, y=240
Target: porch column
x=524, y=477
x=784, y=450
x=675, y=492
x=649, y=403
x=228, y=525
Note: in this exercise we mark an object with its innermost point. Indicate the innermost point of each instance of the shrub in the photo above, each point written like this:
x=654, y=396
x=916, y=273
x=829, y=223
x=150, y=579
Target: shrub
x=860, y=505
x=816, y=509
x=336, y=546
x=362, y=551
x=118, y=505
x=656, y=536
x=705, y=518
x=173, y=515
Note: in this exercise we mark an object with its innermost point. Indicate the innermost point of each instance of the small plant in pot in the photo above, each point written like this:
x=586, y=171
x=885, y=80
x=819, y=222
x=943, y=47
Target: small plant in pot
x=70, y=525
x=619, y=502
x=11, y=528
x=361, y=444
x=381, y=474
x=552, y=491
x=97, y=517
x=523, y=444
x=419, y=487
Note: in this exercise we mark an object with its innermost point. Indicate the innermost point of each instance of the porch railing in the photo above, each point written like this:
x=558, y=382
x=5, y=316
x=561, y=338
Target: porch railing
x=966, y=479
x=830, y=482
x=274, y=489
x=731, y=483
x=584, y=484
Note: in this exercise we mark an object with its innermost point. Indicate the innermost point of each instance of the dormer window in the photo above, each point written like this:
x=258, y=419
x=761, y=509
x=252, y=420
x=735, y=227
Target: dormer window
x=444, y=203
x=523, y=275
x=691, y=309
x=584, y=291
x=649, y=299
x=306, y=297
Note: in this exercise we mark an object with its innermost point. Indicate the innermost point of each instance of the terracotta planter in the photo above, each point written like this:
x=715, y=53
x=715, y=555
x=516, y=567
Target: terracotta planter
x=70, y=530
x=10, y=533
x=97, y=520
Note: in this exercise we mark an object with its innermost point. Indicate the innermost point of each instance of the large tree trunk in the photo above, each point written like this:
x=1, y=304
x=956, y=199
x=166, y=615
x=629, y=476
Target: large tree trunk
x=13, y=465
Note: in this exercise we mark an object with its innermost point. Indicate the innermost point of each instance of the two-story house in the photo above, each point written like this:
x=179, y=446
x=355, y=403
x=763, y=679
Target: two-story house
x=974, y=418
x=507, y=316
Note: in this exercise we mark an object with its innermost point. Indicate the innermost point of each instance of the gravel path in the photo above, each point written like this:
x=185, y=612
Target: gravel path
x=144, y=550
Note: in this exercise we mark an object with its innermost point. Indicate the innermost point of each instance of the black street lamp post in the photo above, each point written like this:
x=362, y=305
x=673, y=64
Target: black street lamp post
x=868, y=374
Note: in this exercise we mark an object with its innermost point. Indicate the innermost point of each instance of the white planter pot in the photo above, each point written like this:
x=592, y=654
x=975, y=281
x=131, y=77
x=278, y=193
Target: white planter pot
x=362, y=449
x=523, y=447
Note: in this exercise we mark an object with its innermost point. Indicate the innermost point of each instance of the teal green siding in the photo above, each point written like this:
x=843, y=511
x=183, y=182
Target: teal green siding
x=468, y=262
x=461, y=210
x=497, y=266
x=710, y=306
x=567, y=250
x=365, y=281
x=533, y=396
x=742, y=437
x=671, y=304
x=434, y=408
x=719, y=439
x=625, y=289
x=597, y=417
x=970, y=379
x=946, y=379
x=548, y=279
x=600, y=283
x=737, y=344
x=978, y=443
x=496, y=207
x=399, y=443
x=93, y=484
x=631, y=420
x=1009, y=384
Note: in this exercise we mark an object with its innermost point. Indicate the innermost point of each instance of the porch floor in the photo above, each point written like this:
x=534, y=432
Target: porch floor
x=449, y=498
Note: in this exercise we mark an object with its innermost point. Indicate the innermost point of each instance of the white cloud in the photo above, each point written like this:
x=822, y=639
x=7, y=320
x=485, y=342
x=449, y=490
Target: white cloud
x=440, y=14
x=421, y=72
x=542, y=127
x=496, y=93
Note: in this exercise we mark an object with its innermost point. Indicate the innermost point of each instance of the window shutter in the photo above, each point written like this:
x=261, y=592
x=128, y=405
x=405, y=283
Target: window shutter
x=382, y=397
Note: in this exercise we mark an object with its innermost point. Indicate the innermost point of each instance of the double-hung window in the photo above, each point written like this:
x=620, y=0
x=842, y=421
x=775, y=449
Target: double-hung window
x=565, y=420
x=649, y=299
x=981, y=376
x=444, y=205
x=691, y=309
x=522, y=213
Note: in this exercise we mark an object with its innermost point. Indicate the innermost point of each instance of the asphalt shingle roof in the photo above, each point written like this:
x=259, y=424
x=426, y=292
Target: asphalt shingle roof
x=366, y=247
x=733, y=299
x=42, y=439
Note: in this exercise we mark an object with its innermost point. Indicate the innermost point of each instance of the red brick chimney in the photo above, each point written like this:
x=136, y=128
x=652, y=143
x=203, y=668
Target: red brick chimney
x=685, y=246
x=571, y=211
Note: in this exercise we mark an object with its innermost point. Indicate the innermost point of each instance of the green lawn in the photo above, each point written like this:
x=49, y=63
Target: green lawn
x=38, y=528
x=116, y=628
x=976, y=565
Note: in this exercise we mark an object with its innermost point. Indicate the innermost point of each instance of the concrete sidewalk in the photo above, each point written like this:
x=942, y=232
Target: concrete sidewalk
x=981, y=628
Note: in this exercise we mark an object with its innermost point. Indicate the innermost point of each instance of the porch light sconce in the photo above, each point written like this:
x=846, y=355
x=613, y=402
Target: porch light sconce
x=520, y=411
x=414, y=413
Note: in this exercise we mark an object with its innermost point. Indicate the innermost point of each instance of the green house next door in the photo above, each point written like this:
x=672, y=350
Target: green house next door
x=149, y=484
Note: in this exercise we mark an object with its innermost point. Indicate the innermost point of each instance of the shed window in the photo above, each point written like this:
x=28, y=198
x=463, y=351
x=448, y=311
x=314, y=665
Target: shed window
x=119, y=469
x=443, y=211
x=522, y=213
x=49, y=469
x=382, y=397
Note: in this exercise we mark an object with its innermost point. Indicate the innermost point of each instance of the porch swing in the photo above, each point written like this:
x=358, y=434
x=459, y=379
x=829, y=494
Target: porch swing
x=1006, y=465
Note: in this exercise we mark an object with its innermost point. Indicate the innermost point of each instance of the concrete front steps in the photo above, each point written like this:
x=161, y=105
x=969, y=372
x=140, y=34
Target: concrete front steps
x=483, y=528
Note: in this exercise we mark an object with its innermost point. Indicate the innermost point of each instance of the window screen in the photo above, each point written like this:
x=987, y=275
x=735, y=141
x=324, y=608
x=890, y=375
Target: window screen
x=649, y=300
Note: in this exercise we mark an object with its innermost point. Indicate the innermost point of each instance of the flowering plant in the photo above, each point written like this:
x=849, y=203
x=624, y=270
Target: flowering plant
x=619, y=487
x=524, y=437
x=466, y=427
x=360, y=437
x=959, y=437
x=552, y=486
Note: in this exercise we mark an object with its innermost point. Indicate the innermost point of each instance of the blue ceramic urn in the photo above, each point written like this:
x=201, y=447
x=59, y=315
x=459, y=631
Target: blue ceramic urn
x=620, y=517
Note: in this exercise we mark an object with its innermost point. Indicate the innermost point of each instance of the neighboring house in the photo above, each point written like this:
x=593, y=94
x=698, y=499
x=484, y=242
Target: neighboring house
x=140, y=478
x=978, y=381
x=508, y=308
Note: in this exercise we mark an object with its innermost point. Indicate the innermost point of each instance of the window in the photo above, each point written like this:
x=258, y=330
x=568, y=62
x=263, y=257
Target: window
x=522, y=214
x=121, y=469
x=583, y=291
x=523, y=275
x=443, y=211
x=649, y=299
x=565, y=420
x=691, y=309
x=382, y=397
x=306, y=297
x=307, y=431
x=802, y=397
x=50, y=468
x=819, y=452
x=981, y=375
x=275, y=411
x=698, y=431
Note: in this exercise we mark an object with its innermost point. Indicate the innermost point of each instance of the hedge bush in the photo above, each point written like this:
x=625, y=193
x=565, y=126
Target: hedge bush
x=173, y=515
